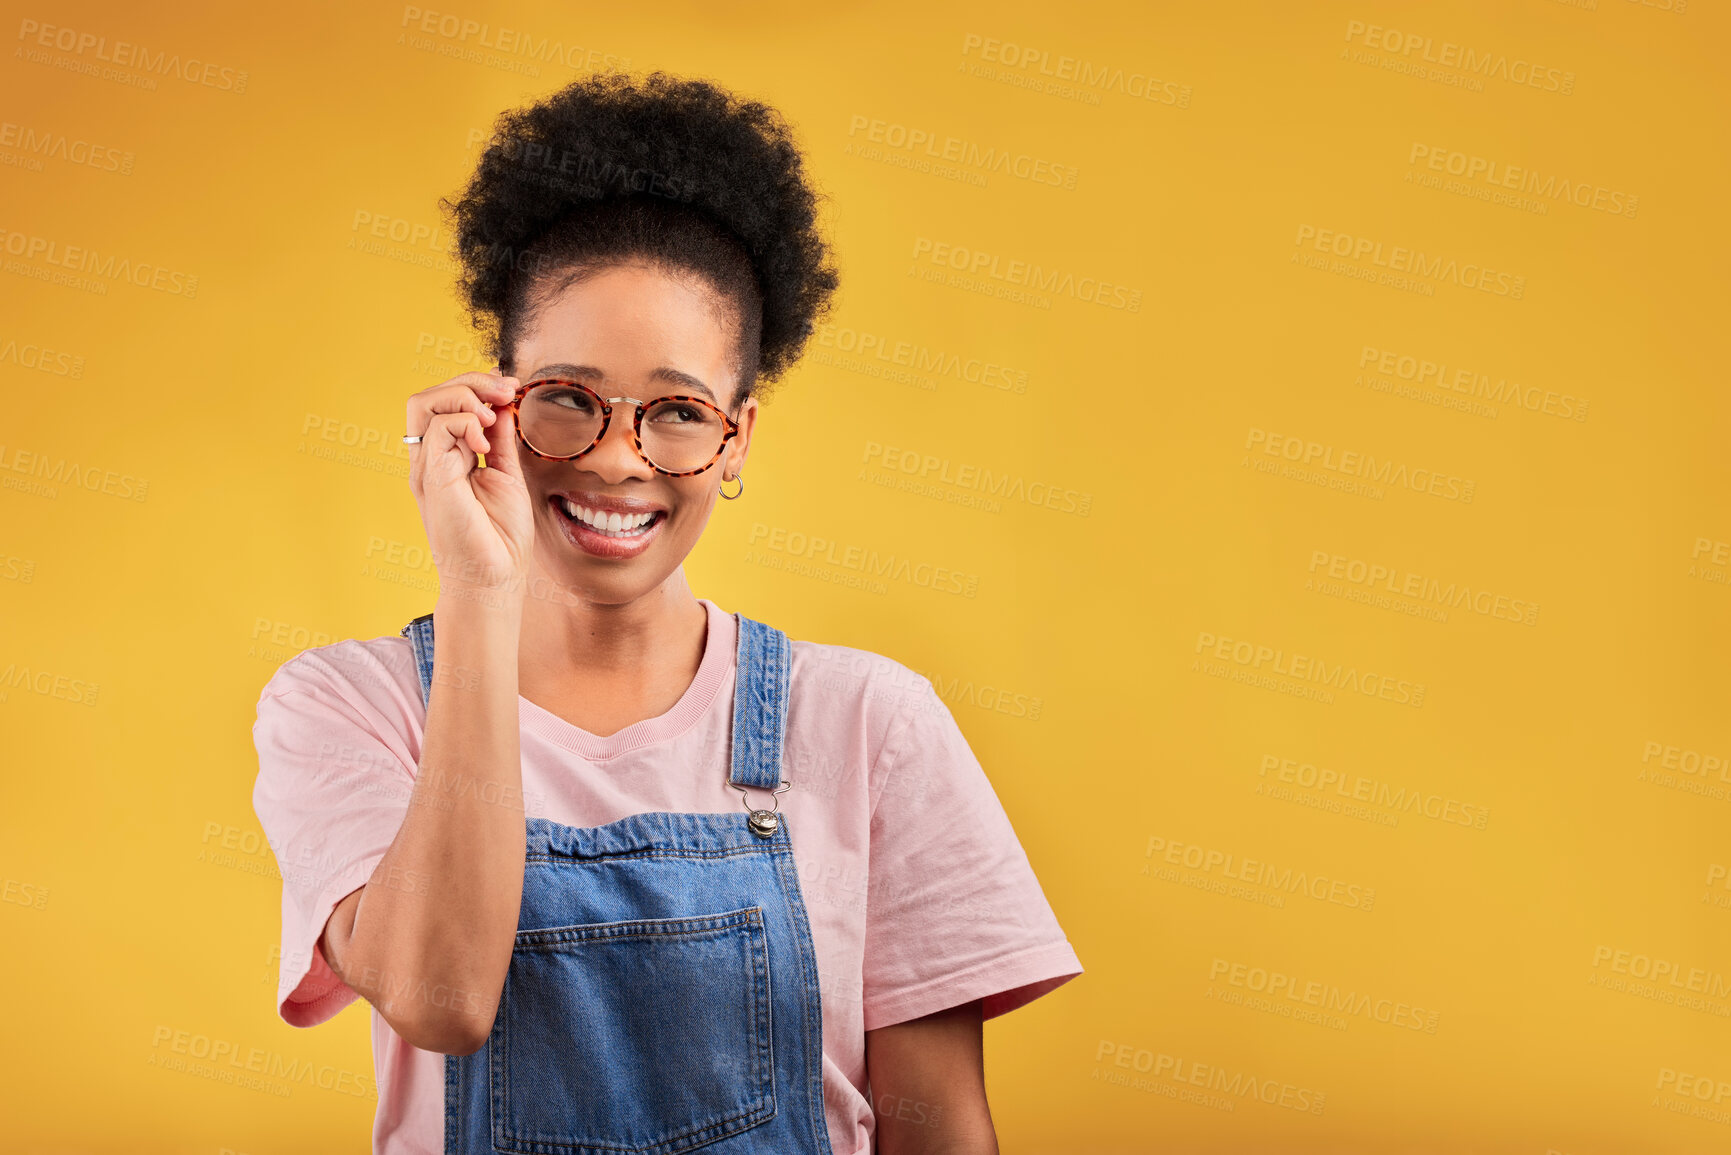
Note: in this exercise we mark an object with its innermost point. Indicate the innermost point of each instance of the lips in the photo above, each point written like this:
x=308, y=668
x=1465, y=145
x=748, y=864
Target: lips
x=610, y=528
x=608, y=522
x=608, y=503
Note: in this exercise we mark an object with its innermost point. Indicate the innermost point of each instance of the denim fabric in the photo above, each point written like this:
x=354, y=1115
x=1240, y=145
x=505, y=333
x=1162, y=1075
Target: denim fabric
x=663, y=991
x=760, y=704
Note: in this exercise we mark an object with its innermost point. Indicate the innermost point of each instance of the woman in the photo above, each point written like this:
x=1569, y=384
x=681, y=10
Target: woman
x=518, y=836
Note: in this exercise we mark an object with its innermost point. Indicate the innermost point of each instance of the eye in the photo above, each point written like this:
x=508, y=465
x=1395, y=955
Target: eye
x=565, y=397
x=679, y=413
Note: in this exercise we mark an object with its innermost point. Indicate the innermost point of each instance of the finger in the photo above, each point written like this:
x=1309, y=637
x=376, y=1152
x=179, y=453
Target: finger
x=506, y=386
x=443, y=399
x=438, y=436
x=495, y=388
x=501, y=451
x=502, y=447
x=452, y=441
x=474, y=391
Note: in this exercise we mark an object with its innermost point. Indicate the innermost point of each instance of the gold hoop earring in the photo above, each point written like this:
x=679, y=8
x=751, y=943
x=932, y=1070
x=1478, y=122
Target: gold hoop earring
x=734, y=496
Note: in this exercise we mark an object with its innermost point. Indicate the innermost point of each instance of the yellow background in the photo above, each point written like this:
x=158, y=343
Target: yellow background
x=260, y=413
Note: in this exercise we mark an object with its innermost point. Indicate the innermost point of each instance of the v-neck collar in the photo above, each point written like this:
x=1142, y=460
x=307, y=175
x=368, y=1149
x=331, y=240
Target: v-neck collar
x=719, y=657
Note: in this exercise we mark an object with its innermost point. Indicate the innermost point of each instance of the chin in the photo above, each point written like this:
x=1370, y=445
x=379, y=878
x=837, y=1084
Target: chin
x=570, y=574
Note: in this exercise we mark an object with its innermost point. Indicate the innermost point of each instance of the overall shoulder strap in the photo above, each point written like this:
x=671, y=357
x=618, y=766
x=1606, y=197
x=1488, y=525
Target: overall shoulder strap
x=760, y=691
x=420, y=635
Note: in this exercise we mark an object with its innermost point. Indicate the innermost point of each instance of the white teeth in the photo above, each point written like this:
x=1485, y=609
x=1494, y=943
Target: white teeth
x=609, y=523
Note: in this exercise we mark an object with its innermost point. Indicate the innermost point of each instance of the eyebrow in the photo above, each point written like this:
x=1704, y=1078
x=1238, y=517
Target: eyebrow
x=590, y=373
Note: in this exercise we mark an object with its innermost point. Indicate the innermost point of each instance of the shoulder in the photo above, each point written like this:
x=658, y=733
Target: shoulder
x=352, y=670
x=857, y=715
x=868, y=681
x=864, y=706
x=334, y=711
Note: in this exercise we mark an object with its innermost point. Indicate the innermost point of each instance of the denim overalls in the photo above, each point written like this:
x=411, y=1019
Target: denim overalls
x=663, y=991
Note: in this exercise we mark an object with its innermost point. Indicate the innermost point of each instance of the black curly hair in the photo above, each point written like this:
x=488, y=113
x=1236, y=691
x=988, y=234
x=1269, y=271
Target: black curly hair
x=676, y=173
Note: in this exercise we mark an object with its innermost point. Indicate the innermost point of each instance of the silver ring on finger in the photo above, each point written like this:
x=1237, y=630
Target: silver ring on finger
x=411, y=440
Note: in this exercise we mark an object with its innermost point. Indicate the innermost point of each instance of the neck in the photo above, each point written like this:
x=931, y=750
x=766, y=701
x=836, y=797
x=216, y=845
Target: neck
x=571, y=632
x=632, y=658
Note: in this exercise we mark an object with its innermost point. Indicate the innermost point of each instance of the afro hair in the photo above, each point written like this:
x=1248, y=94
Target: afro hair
x=676, y=173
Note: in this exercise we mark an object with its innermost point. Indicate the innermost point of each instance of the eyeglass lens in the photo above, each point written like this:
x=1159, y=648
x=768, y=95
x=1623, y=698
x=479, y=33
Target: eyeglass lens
x=560, y=419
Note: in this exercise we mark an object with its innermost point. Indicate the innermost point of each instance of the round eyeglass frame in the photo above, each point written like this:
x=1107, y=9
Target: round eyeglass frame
x=606, y=403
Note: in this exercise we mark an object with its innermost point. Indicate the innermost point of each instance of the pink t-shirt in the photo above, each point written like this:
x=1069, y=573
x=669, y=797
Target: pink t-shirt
x=919, y=894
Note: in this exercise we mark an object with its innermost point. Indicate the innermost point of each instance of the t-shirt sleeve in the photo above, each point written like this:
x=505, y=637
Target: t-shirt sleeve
x=954, y=911
x=335, y=775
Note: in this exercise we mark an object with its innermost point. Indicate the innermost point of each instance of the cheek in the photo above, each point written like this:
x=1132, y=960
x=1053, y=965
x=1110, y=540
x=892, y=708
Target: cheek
x=539, y=475
x=696, y=498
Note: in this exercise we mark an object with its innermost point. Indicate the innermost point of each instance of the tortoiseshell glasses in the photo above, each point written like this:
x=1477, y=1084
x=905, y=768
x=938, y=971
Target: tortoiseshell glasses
x=677, y=435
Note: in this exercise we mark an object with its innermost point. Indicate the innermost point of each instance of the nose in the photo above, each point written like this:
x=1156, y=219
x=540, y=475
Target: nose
x=614, y=458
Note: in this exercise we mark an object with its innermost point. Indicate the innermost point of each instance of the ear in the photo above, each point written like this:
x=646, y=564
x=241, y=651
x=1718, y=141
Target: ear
x=734, y=460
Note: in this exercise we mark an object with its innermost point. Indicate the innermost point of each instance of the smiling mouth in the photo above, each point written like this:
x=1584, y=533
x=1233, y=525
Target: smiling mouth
x=604, y=532
x=618, y=526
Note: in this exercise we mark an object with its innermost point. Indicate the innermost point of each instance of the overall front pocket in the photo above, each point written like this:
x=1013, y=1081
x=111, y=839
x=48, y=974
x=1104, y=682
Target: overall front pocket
x=648, y=1036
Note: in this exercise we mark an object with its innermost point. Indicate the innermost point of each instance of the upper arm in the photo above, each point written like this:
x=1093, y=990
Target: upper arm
x=335, y=777
x=954, y=911
x=928, y=1084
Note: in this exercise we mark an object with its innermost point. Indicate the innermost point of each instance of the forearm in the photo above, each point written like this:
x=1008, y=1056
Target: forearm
x=928, y=1085
x=961, y=1125
x=434, y=929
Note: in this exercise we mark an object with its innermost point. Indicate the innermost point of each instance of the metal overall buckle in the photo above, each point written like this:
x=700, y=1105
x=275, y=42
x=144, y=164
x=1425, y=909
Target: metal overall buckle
x=763, y=823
